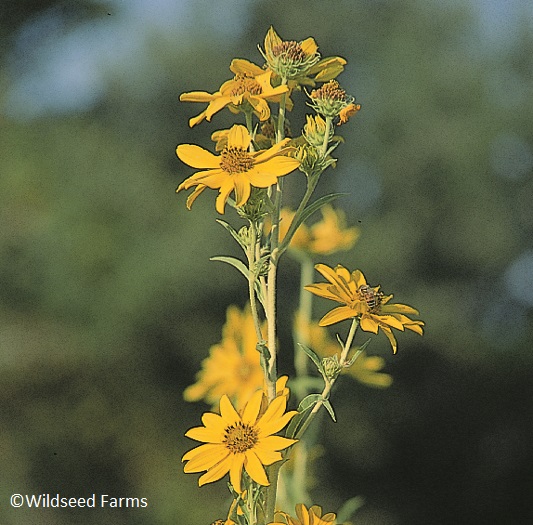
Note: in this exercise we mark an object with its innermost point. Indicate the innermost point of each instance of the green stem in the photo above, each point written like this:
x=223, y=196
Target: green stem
x=327, y=388
x=271, y=375
x=311, y=185
x=305, y=311
x=251, y=255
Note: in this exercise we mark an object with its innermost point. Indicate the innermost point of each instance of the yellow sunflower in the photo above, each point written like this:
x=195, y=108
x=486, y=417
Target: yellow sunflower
x=364, y=302
x=235, y=169
x=233, y=442
x=248, y=90
x=311, y=516
x=299, y=62
x=233, y=366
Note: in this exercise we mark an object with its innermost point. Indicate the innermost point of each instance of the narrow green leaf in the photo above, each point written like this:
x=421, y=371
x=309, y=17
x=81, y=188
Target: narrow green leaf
x=312, y=355
x=232, y=261
x=357, y=353
x=233, y=233
x=329, y=408
x=293, y=426
x=309, y=401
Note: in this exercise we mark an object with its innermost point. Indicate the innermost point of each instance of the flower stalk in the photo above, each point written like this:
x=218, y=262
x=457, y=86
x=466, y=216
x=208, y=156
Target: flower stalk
x=250, y=433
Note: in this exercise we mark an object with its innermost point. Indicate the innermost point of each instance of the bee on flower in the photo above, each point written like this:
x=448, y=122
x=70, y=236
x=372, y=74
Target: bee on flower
x=359, y=300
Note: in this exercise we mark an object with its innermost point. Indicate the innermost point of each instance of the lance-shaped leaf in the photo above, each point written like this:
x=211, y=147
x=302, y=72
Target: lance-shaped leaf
x=314, y=357
x=233, y=233
x=305, y=214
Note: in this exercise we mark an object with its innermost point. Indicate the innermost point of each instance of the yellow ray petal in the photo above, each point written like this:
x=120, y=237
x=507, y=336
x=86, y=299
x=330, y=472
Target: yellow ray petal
x=223, y=195
x=391, y=338
x=255, y=469
x=275, y=443
x=190, y=200
x=216, y=105
x=240, y=65
x=327, y=291
x=197, y=157
x=207, y=435
x=238, y=137
x=309, y=46
x=235, y=472
x=341, y=313
x=264, y=155
x=216, y=473
x=227, y=412
x=266, y=456
x=198, y=451
x=242, y=188
x=391, y=320
x=196, y=120
x=197, y=96
x=213, y=179
x=253, y=406
x=398, y=308
x=369, y=324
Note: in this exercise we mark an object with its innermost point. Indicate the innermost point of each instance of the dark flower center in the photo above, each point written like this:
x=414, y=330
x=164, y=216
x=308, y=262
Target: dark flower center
x=290, y=50
x=244, y=84
x=240, y=437
x=330, y=91
x=235, y=160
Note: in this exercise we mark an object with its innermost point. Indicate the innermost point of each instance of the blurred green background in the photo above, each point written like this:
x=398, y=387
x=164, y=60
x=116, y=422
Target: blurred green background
x=108, y=301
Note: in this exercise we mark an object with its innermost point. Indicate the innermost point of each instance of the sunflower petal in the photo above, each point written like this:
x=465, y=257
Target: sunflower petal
x=341, y=313
x=238, y=137
x=253, y=406
x=235, y=472
x=369, y=324
x=223, y=195
x=227, y=412
x=255, y=469
x=215, y=473
x=391, y=338
x=216, y=105
x=242, y=189
x=197, y=157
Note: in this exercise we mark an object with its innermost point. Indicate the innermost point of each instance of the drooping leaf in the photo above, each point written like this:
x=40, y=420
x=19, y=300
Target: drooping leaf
x=313, y=356
x=232, y=261
x=329, y=408
x=233, y=233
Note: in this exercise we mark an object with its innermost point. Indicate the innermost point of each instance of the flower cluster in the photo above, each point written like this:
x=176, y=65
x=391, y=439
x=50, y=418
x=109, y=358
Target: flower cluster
x=250, y=433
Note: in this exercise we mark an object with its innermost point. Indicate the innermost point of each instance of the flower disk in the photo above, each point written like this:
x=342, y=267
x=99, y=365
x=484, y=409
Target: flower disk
x=233, y=442
x=236, y=169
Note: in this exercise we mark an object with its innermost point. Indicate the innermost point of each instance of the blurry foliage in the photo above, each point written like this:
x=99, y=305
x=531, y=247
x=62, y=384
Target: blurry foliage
x=108, y=301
